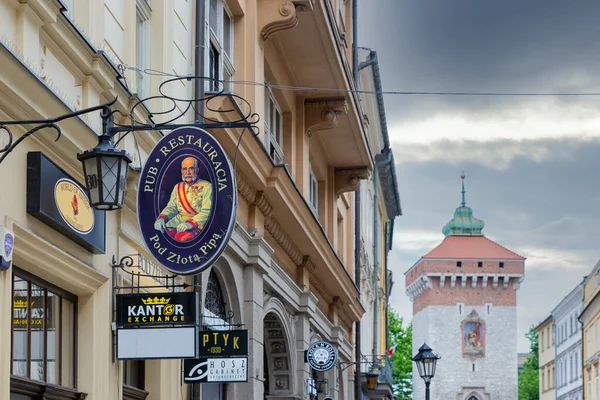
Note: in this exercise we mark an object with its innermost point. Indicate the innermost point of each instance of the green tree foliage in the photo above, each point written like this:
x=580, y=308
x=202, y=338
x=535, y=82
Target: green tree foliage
x=529, y=376
x=401, y=335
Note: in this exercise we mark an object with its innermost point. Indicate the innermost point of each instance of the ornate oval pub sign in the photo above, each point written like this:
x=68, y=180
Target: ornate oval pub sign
x=187, y=201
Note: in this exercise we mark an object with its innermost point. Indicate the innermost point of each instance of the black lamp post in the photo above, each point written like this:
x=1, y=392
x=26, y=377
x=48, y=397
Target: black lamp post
x=105, y=169
x=426, y=361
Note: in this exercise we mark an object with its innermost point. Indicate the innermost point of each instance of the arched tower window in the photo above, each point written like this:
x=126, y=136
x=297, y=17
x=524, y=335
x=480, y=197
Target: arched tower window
x=473, y=398
x=214, y=301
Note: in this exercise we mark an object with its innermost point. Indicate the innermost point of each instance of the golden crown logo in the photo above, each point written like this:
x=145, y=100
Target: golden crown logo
x=156, y=301
x=20, y=304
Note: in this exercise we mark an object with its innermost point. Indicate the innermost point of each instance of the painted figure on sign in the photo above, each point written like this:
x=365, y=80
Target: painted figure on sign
x=189, y=206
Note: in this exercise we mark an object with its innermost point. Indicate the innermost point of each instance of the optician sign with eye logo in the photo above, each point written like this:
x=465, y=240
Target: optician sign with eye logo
x=214, y=370
x=321, y=356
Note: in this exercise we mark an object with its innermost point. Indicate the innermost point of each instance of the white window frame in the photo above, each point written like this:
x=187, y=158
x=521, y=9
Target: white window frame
x=313, y=191
x=142, y=27
x=215, y=42
x=273, y=127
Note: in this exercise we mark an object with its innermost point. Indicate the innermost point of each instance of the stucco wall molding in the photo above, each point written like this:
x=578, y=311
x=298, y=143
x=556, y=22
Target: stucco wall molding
x=34, y=254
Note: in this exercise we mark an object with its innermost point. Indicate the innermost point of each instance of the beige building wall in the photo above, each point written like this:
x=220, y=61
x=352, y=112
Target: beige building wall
x=546, y=348
x=295, y=179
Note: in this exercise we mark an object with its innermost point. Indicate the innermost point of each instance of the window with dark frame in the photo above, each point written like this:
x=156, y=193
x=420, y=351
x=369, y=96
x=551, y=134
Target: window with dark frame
x=480, y=264
x=459, y=264
x=501, y=265
x=219, y=43
x=134, y=381
x=43, y=331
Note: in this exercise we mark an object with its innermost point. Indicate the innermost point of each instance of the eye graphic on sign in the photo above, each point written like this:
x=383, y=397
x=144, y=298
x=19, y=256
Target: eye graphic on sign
x=197, y=373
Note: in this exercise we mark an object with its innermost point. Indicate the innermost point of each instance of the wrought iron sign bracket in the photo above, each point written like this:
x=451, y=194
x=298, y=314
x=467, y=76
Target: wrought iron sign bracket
x=177, y=108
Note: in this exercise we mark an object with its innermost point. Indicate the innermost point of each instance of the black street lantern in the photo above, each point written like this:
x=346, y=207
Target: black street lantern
x=426, y=361
x=372, y=378
x=105, y=171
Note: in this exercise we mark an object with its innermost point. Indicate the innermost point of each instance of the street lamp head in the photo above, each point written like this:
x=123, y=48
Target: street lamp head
x=105, y=171
x=372, y=379
x=426, y=361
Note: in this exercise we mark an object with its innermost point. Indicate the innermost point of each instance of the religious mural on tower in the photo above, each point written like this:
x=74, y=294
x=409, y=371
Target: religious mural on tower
x=473, y=336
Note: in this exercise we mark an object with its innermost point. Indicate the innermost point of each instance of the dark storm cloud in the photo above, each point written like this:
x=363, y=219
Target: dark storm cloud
x=546, y=210
x=481, y=46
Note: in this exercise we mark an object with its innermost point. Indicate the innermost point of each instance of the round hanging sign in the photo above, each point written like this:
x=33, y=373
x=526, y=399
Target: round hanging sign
x=321, y=356
x=187, y=201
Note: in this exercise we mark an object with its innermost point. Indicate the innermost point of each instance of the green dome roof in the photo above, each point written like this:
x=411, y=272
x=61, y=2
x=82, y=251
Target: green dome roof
x=463, y=223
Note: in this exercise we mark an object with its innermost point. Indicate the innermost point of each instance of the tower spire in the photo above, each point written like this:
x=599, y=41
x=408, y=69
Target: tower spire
x=462, y=176
x=463, y=223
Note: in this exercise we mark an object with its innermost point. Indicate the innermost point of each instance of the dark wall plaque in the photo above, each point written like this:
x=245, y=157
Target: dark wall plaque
x=223, y=343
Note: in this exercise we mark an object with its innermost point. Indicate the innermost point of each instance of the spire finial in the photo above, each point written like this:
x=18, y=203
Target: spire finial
x=462, y=176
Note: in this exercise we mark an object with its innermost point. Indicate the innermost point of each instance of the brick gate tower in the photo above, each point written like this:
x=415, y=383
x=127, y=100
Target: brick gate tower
x=465, y=308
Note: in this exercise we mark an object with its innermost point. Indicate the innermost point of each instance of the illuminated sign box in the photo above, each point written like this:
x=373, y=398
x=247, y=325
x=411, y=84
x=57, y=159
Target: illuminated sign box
x=153, y=309
x=156, y=343
x=57, y=200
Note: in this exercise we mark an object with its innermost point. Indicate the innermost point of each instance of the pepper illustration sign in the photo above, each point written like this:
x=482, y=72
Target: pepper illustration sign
x=187, y=201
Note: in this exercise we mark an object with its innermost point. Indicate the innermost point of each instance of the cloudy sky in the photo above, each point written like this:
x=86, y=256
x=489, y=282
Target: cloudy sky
x=531, y=162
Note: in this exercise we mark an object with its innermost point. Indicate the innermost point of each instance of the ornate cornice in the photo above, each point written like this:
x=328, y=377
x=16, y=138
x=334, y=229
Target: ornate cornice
x=319, y=286
x=330, y=110
x=244, y=188
x=348, y=179
x=308, y=264
x=263, y=204
x=273, y=227
x=284, y=18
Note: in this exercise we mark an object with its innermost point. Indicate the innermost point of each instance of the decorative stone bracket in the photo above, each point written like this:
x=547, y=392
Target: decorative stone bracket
x=275, y=16
x=348, y=179
x=328, y=118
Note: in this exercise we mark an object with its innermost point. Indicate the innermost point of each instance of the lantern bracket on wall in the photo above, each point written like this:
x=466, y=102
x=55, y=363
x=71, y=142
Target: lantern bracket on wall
x=105, y=166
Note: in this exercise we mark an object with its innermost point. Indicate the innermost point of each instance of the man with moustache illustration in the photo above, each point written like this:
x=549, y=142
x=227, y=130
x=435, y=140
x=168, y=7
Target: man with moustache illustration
x=189, y=206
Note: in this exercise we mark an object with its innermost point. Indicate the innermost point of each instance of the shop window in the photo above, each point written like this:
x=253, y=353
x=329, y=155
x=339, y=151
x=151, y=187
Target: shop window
x=220, y=47
x=273, y=127
x=43, y=333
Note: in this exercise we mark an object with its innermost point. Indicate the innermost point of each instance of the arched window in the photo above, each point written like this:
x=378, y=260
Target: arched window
x=473, y=398
x=214, y=301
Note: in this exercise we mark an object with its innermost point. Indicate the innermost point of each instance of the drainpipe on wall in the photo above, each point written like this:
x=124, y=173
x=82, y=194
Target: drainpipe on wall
x=200, y=17
x=357, y=253
x=375, y=257
x=199, y=59
x=357, y=213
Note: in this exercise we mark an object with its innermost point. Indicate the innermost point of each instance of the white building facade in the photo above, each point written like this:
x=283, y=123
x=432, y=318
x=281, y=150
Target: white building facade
x=568, y=344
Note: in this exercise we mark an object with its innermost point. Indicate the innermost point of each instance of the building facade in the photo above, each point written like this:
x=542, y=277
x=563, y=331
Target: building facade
x=589, y=318
x=568, y=346
x=380, y=204
x=546, y=355
x=286, y=275
x=464, y=308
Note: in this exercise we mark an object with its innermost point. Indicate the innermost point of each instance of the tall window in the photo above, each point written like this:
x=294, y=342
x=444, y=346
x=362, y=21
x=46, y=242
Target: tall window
x=596, y=336
x=220, y=47
x=43, y=331
x=543, y=382
x=597, y=386
x=542, y=341
x=589, y=388
x=313, y=192
x=588, y=339
x=273, y=127
x=142, y=47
